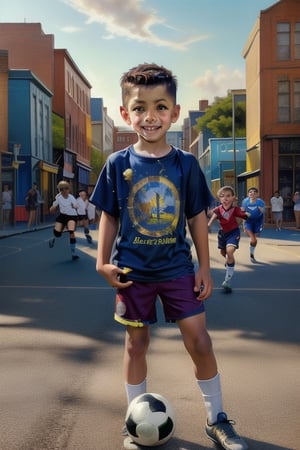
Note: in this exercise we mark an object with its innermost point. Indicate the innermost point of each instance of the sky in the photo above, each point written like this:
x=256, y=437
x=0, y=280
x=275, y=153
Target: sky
x=201, y=41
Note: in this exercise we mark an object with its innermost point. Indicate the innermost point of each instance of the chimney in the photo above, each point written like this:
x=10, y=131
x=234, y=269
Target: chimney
x=203, y=105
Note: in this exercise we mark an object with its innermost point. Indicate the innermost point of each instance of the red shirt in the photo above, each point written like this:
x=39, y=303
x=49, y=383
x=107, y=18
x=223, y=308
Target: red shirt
x=227, y=217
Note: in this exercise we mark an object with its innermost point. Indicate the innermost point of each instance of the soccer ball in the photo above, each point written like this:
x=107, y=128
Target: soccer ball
x=150, y=420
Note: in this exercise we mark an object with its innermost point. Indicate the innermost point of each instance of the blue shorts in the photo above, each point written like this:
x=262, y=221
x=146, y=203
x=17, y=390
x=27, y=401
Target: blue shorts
x=255, y=226
x=136, y=305
x=231, y=238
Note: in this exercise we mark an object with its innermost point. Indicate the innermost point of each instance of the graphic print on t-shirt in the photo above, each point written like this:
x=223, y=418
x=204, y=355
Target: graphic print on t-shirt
x=154, y=206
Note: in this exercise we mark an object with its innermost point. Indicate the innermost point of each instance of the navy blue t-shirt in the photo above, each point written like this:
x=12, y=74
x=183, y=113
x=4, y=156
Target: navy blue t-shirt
x=152, y=197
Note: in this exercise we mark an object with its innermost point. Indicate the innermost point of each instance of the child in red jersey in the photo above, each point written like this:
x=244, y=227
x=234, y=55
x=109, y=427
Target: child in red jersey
x=229, y=233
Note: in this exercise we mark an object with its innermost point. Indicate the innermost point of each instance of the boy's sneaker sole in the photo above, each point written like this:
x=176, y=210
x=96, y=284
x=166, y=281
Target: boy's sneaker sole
x=223, y=433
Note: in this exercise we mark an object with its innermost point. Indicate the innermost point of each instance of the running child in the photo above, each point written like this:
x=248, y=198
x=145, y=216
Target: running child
x=66, y=204
x=253, y=226
x=82, y=211
x=229, y=234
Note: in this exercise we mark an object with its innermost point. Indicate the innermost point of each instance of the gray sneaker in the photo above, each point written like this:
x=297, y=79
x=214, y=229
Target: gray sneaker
x=226, y=286
x=223, y=433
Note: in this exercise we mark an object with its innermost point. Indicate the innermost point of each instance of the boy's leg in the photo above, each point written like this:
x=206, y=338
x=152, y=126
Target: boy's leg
x=57, y=232
x=135, y=368
x=86, y=231
x=136, y=345
x=198, y=343
x=71, y=228
x=230, y=265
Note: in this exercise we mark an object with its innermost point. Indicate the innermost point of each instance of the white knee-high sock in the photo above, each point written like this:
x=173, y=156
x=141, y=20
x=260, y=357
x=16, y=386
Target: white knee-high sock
x=212, y=396
x=133, y=390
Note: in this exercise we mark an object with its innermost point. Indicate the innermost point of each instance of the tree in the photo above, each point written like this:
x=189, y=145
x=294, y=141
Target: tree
x=218, y=118
x=97, y=162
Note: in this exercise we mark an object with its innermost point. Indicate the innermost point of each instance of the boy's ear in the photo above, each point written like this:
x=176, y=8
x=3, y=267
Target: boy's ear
x=175, y=113
x=125, y=115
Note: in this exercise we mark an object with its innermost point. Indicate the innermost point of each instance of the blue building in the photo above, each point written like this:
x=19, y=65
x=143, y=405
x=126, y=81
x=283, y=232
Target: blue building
x=30, y=139
x=222, y=162
x=175, y=138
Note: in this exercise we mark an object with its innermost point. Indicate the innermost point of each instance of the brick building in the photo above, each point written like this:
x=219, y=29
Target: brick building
x=272, y=58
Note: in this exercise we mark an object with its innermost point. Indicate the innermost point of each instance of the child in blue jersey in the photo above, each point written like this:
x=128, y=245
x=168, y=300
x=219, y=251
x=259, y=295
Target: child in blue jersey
x=149, y=193
x=253, y=226
x=229, y=234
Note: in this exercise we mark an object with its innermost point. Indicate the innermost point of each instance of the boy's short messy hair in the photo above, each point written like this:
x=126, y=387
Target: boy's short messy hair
x=63, y=185
x=148, y=75
x=225, y=189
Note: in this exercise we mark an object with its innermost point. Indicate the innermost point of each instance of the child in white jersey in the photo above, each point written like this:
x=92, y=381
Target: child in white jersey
x=67, y=217
x=82, y=210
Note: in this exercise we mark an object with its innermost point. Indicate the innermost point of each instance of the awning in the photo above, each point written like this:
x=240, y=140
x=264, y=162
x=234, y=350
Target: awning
x=248, y=174
x=48, y=167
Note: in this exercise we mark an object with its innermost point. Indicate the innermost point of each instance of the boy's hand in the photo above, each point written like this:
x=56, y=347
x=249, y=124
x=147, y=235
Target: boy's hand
x=203, y=285
x=115, y=276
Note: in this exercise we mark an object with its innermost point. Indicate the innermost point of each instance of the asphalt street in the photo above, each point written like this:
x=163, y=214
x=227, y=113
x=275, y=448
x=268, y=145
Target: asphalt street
x=61, y=383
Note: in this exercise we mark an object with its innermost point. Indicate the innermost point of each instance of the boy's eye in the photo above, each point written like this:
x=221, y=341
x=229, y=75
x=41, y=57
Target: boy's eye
x=162, y=107
x=138, y=109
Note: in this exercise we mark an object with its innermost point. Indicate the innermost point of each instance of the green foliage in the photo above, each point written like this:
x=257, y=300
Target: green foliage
x=97, y=162
x=218, y=118
x=58, y=131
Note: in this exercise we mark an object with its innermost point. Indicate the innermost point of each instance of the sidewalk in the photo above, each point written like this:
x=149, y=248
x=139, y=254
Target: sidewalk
x=21, y=228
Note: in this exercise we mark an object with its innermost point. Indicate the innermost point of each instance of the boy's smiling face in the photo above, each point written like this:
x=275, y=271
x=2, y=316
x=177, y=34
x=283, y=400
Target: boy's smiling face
x=227, y=198
x=150, y=111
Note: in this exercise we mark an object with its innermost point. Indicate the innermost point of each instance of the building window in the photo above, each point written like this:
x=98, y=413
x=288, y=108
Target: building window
x=283, y=41
x=297, y=40
x=284, y=101
x=297, y=101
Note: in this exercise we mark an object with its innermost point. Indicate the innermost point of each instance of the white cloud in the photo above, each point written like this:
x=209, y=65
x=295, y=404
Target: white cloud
x=129, y=19
x=70, y=29
x=216, y=83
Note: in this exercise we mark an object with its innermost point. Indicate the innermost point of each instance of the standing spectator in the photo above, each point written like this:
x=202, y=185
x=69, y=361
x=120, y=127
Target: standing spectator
x=277, y=209
x=31, y=206
x=229, y=233
x=82, y=211
x=253, y=226
x=66, y=204
x=40, y=202
x=296, y=200
x=7, y=204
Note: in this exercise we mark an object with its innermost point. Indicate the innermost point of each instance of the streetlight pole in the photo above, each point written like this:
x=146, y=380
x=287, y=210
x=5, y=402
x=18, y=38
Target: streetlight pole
x=237, y=95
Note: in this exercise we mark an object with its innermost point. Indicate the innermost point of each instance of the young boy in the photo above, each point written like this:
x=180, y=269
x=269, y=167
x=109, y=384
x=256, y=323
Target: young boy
x=229, y=234
x=67, y=217
x=253, y=226
x=148, y=193
x=82, y=211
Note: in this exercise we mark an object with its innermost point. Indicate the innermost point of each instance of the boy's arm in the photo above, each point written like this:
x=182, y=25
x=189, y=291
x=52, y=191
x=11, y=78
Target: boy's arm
x=108, y=230
x=199, y=233
x=212, y=219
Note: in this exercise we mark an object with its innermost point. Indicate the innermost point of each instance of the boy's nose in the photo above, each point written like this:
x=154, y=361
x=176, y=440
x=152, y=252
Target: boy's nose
x=150, y=116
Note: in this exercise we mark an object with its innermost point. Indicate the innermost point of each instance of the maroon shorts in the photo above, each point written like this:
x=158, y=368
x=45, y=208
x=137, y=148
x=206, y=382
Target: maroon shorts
x=136, y=305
